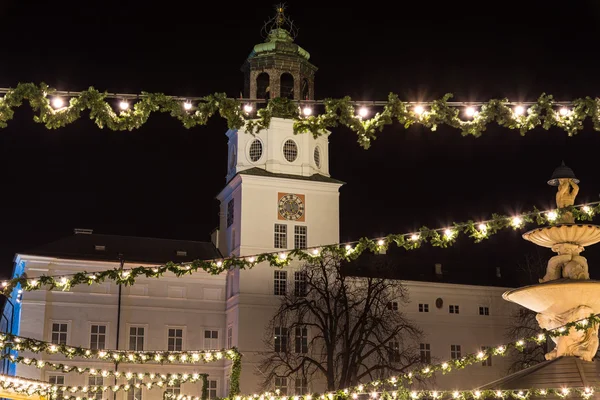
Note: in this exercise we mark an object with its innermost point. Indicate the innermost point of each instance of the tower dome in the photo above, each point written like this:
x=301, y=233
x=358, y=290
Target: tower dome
x=278, y=67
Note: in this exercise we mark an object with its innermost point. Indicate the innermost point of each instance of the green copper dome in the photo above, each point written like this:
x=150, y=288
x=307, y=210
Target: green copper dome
x=279, y=41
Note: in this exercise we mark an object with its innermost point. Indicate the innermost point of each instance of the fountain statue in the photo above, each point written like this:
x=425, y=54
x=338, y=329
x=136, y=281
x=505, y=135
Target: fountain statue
x=565, y=293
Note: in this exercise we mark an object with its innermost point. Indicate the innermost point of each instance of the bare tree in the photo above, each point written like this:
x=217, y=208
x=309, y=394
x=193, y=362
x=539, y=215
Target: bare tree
x=344, y=329
x=523, y=322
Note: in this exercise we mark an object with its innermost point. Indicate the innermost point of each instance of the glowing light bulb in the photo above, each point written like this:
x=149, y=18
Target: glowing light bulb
x=519, y=110
x=445, y=365
x=482, y=227
x=455, y=394
x=414, y=237
x=187, y=106
x=307, y=111
x=419, y=110
x=282, y=256
x=516, y=222
x=541, y=337
x=4, y=284
x=363, y=112
x=248, y=108
x=520, y=343
x=63, y=280
x=470, y=111
x=380, y=242
x=251, y=259
x=315, y=251
x=543, y=392
x=426, y=370
x=348, y=247
x=477, y=394
x=58, y=102
x=498, y=393
x=435, y=394
x=564, y=111
x=355, y=396
x=587, y=210
x=374, y=395
x=414, y=395
x=124, y=105
x=448, y=233
x=219, y=263
x=552, y=215
x=565, y=391
x=480, y=355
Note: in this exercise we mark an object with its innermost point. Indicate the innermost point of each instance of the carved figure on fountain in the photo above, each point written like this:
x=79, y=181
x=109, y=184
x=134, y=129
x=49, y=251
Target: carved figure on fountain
x=567, y=264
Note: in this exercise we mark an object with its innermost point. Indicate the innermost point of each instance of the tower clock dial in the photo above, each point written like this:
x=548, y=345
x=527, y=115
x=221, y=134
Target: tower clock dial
x=291, y=207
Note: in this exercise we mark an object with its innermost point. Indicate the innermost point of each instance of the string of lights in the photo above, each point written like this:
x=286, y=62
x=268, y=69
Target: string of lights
x=439, y=237
x=59, y=108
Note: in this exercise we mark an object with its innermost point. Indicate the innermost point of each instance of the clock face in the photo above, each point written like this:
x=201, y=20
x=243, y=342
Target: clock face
x=291, y=207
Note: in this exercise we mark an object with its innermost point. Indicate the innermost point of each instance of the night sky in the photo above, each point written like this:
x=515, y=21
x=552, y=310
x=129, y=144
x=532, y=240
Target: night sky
x=161, y=180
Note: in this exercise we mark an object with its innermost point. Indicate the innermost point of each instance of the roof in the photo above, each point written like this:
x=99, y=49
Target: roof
x=563, y=371
x=315, y=177
x=134, y=249
x=396, y=266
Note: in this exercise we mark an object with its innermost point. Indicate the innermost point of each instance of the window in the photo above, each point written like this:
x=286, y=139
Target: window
x=392, y=305
x=255, y=151
x=136, y=338
x=455, y=351
x=279, y=282
x=299, y=237
x=300, y=386
x=300, y=283
x=135, y=393
x=394, y=351
x=484, y=311
x=211, y=340
x=57, y=380
x=488, y=361
x=317, y=157
x=181, y=253
x=174, y=389
x=280, y=236
x=301, y=340
x=59, y=333
x=290, y=150
x=423, y=307
x=281, y=386
x=99, y=247
x=175, y=339
x=425, y=349
x=281, y=338
x=95, y=381
x=453, y=309
x=229, y=337
x=98, y=337
x=230, y=213
x=212, y=389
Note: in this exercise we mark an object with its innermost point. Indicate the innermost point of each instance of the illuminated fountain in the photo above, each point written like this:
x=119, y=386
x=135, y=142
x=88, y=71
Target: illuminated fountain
x=566, y=293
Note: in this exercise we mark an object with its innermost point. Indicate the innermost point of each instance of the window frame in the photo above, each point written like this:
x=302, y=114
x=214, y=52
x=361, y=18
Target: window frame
x=51, y=330
x=455, y=351
x=107, y=330
x=488, y=361
x=204, y=338
x=304, y=385
x=300, y=284
x=145, y=337
x=284, y=333
x=453, y=309
x=183, y=335
x=216, y=388
x=425, y=352
x=277, y=286
x=98, y=395
x=280, y=237
x=299, y=236
x=300, y=339
x=423, y=307
x=484, y=311
x=287, y=386
x=133, y=389
x=230, y=336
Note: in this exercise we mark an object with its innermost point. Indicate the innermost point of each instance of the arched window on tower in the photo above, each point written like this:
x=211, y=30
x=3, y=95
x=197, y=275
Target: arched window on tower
x=287, y=85
x=304, y=89
x=262, y=86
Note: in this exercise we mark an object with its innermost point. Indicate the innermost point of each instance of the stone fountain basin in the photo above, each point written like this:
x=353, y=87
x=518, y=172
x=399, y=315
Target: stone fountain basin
x=583, y=235
x=558, y=296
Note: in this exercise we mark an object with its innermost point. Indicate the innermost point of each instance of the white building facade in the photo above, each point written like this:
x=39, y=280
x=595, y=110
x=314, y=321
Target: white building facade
x=278, y=196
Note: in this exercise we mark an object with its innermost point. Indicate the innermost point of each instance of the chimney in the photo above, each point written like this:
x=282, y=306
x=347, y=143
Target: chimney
x=498, y=273
x=438, y=270
x=214, y=237
x=83, y=231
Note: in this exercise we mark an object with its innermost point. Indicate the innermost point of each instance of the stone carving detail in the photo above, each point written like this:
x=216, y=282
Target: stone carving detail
x=565, y=197
x=578, y=343
x=567, y=264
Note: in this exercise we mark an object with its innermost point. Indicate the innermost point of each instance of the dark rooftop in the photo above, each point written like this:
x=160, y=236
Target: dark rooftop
x=89, y=246
x=315, y=177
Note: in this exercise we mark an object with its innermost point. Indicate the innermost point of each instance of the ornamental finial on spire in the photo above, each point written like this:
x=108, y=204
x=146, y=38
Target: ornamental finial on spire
x=279, y=25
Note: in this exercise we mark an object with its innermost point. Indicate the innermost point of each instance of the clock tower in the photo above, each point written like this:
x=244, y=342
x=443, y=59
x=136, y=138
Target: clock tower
x=278, y=196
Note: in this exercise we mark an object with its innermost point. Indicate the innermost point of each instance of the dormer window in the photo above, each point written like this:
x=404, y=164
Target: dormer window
x=100, y=247
x=181, y=253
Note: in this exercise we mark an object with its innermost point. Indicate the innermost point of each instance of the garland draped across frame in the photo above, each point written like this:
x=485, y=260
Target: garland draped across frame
x=20, y=343
x=337, y=112
x=403, y=394
x=441, y=237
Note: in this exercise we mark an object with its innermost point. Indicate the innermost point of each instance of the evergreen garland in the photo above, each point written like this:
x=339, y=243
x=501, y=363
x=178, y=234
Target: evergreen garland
x=442, y=237
x=337, y=112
